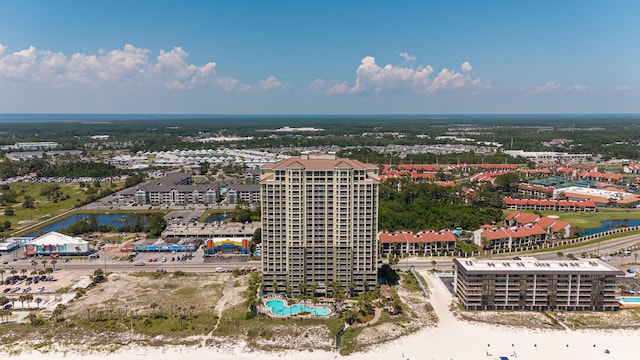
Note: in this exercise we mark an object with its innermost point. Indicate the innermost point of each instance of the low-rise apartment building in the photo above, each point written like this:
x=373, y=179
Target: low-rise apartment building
x=530, y=284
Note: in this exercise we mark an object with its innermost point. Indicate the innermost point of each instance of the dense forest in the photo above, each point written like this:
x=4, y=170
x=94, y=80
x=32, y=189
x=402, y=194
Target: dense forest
x=429, y=207
x=609, y=135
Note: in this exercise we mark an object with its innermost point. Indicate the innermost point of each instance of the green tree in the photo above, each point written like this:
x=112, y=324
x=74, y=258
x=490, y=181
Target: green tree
x=8, y=211
x=507, y=182
x=29, y=203
x=157, y=224
x=98, y=276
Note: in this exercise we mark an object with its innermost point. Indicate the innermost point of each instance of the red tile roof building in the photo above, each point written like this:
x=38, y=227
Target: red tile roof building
x=422, y=243
x=549, y=204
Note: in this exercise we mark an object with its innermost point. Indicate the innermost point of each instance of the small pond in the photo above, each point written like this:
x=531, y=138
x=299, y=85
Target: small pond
x=113, y=220
x=607, y=225
x=216, y=217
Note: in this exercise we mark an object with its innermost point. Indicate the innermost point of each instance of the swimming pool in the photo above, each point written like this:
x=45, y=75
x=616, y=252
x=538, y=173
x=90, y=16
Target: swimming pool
x=279, y=308
x=629, y=300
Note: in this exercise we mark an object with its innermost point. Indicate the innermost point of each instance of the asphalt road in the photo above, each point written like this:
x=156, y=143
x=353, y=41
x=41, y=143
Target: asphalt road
x=198, y=265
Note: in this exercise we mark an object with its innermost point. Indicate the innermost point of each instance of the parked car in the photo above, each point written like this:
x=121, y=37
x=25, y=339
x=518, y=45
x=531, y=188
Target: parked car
x=139, y=263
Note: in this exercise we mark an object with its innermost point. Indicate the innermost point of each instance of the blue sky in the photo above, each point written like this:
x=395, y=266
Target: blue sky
x=319, y=57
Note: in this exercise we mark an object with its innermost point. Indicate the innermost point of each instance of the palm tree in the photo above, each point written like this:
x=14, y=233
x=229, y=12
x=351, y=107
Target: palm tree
x=560, y=255
x=2, y=271
x=13, y=271
x=34, y=263
x=28, y=298
x=4, y=315
x=635, y=258
x=23, y=271
x=38, y=301
x=22, y=298
x=53, y=263
x=303, y=289
x=44, y=263
x=623, y=288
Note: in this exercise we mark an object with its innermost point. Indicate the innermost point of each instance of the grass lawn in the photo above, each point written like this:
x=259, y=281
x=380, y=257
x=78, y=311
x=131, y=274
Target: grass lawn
x=45, y=208
x=592, y=219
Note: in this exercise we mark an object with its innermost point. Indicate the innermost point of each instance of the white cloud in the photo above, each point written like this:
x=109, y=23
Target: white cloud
x=130, y=66
x=372, y=78
x=552, y=86
x=270, y=83
x=624, y=88
x=406, y=56
x=339, y=88
x=317, y=84
x=578, y=87
x=547, y=87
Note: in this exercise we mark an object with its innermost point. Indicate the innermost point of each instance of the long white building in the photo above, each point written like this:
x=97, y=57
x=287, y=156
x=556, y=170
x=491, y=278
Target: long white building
x=319, y=225
x=530, y=284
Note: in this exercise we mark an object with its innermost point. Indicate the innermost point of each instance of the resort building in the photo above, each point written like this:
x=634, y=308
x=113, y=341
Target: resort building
x=319, y=225
x=423, y=243
x=602, y=197
x=550, y=204
x=178, y=189
x=530, y=284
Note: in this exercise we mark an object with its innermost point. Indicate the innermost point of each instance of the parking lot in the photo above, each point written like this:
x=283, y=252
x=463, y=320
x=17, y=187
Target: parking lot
x=47, y=289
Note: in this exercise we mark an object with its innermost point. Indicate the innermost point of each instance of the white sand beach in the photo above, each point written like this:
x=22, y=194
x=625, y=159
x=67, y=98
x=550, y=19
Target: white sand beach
x=451, y=339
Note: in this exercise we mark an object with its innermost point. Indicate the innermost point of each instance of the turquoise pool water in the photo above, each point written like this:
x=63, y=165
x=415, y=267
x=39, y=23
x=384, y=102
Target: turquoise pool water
x=279, y=308
x=630, y=300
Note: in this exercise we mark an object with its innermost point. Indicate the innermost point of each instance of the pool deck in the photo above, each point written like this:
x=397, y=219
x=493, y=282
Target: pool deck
x=629, y=305
x=288, y=302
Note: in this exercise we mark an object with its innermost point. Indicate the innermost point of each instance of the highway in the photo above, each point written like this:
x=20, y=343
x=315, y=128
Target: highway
x=197, y=264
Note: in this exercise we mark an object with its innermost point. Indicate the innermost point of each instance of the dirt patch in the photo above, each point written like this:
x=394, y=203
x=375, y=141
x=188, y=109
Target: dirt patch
x=287, y=337
x=417, y=313
x=517, y=319
x=621, y=319
x=142, y=293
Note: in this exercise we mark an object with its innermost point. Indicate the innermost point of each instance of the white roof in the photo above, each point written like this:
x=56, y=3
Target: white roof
x=55, y=238
x=531, y=265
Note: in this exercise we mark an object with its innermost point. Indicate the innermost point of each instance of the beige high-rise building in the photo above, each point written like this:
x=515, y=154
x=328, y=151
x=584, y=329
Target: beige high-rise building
x=319, y=225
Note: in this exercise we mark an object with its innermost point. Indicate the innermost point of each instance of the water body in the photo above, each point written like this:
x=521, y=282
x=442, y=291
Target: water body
x=114, y=220
x=607, y=225
x=216, y=217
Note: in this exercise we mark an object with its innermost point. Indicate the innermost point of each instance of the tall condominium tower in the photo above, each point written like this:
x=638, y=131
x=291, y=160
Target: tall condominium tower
x=319, y=225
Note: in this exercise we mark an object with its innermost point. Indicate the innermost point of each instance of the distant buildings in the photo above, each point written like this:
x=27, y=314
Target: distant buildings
x=32, y=146
x=177, y=189
x=319, y=225
x=549, y=156
x=531, y=284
